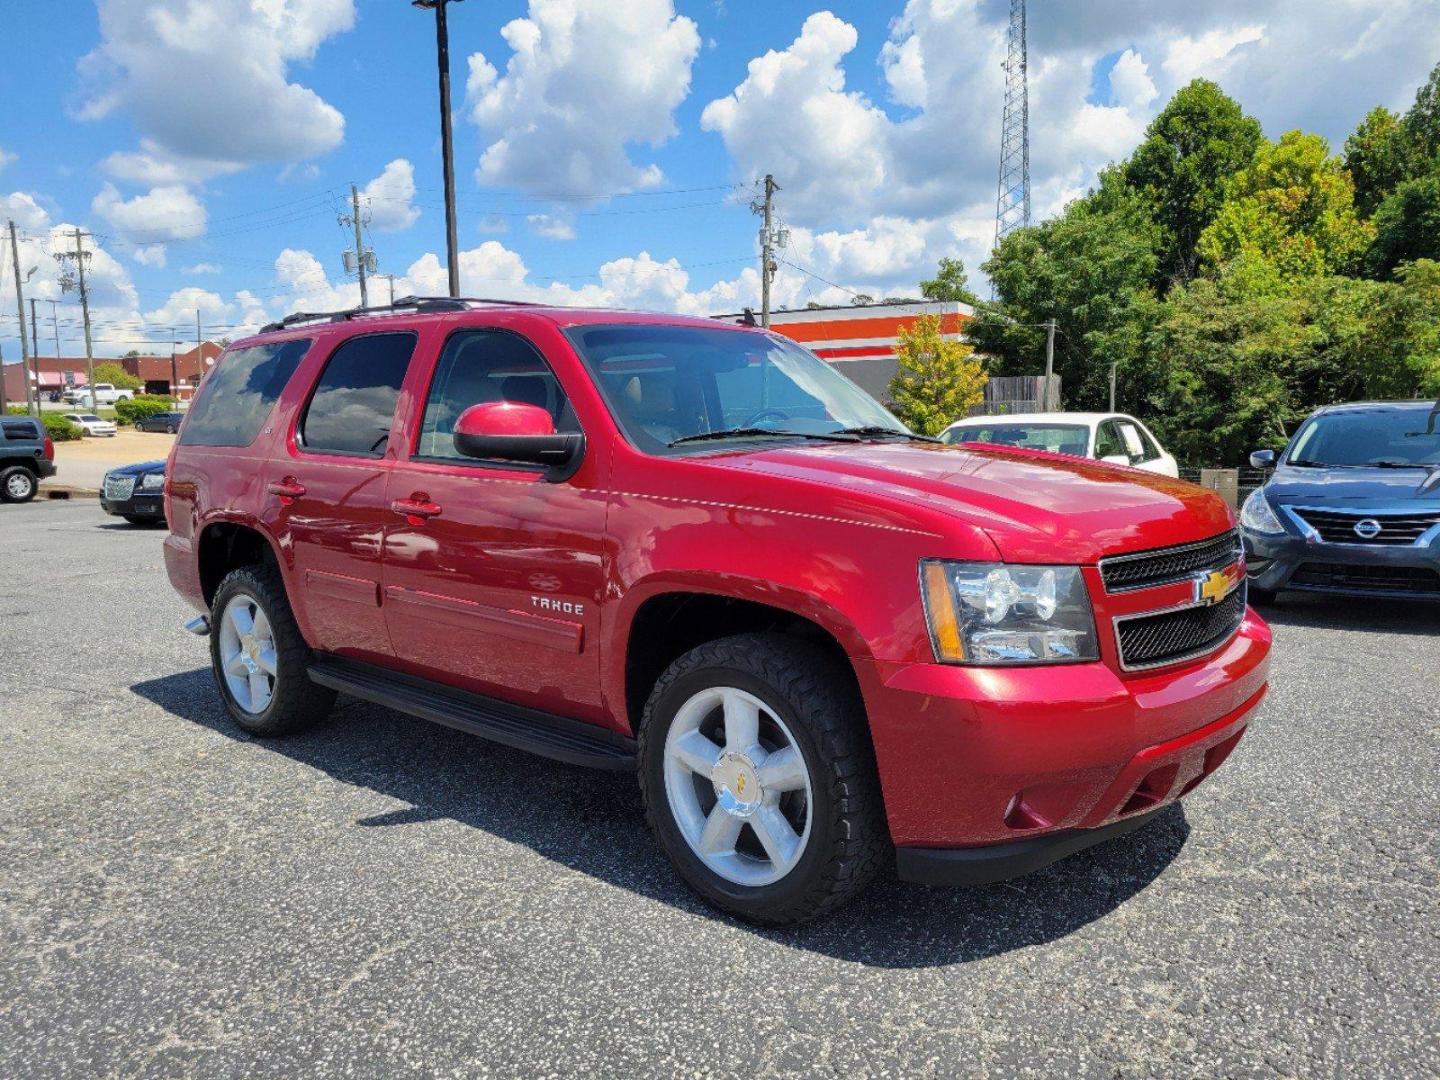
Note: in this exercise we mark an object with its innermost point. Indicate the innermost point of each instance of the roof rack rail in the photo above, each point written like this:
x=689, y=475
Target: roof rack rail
x=419, y=304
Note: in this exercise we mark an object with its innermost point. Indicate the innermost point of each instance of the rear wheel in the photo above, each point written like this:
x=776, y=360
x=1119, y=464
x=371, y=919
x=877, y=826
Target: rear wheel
x=18, y=484
x=758, y=778
x=259, y=658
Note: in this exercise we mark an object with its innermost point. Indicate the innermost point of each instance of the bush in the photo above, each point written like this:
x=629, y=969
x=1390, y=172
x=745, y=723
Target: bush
x=129, y=410
x=60, y=429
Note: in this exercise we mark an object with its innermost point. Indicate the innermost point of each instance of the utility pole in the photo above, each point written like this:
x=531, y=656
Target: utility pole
x=361, y=255
x=81, y=256
x=199, y=350
x=55, y=324
x=174, y=369
x=35, y=354
x=1112, y=387
x=20, y=307
x=770, y=239
x=447, y=149
x=391, y=279
x=1050, y=395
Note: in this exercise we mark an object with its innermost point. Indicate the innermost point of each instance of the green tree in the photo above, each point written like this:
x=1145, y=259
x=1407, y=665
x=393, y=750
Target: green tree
x=949, y=283
x=1378, y=156
x=939, y=379
x=1294, y=207
x=1422, y=121
x=108, y=371
x=1089, y=269
x=1407, y=226
x=1191, y=150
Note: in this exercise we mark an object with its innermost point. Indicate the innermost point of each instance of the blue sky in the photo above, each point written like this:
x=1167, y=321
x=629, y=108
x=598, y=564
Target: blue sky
x=604, y=150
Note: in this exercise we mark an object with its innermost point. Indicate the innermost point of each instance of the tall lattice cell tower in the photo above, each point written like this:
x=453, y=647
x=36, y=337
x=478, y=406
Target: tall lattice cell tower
x=1012, y=201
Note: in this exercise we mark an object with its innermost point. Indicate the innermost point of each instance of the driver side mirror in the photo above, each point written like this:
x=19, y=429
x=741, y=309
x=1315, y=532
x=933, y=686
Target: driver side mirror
x=525, y=434
x=1262, y=459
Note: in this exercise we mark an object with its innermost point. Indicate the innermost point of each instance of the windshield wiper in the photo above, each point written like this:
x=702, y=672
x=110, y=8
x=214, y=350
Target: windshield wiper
x=873, y=430
x=1391, y=463
x=758, y=433
x=1303, y=463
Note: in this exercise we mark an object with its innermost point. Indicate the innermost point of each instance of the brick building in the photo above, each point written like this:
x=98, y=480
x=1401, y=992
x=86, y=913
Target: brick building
x=177, y=377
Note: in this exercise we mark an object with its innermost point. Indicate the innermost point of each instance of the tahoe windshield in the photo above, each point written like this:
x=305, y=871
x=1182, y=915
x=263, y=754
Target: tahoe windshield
x=1380, y=438
x=675, y=389
x=1056, y=438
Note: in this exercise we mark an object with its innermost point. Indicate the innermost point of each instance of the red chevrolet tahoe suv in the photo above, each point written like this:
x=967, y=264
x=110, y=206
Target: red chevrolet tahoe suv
x=696, y=551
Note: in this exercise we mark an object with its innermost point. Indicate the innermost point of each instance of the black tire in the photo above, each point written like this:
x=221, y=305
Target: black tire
x=18, y=484
x=296, y=703
x=1262, y=597
x=815, y=697
x=135, y=519
x=173, y=429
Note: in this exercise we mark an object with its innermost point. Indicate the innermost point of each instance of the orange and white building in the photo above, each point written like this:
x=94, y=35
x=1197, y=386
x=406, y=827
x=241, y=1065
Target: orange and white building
x=861, y=339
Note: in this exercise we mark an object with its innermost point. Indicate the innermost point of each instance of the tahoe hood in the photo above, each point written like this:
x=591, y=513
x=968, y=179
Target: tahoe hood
x=1036, y=507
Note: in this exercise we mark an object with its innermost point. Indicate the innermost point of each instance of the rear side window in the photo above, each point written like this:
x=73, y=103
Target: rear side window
x=353, y=406
x=21, y=430
x=239, y=394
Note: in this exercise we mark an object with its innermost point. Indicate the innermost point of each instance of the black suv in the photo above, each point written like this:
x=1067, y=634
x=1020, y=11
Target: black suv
x=167, y=422
x=27, y=455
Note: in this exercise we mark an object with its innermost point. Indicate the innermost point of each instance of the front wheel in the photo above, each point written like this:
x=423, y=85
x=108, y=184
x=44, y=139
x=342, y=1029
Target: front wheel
x=1262, y=597
x=259, y=659
x=18, y=484
x=759, y=780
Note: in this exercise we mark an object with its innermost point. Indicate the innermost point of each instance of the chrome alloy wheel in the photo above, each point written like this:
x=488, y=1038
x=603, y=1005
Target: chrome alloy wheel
x=247, y=654
x=18, y=485
x=737, y=786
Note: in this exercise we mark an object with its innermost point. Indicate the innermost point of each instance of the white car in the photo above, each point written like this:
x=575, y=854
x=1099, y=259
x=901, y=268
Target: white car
x=1114, y=438
x=91, y=423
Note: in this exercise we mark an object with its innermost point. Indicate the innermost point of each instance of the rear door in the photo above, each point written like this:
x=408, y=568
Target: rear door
x=326, y=493
x=498, y=590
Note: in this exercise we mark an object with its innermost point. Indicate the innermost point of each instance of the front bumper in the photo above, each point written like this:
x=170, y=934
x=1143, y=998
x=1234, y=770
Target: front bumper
x=972, y=757
x=1286, y=561
x=149, y=505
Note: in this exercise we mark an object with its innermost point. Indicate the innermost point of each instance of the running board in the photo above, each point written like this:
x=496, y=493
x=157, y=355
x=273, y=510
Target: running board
x=538, y=732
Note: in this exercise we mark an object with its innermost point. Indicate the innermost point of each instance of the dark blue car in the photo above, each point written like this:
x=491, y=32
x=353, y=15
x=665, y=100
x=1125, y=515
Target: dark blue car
x=1353, y=505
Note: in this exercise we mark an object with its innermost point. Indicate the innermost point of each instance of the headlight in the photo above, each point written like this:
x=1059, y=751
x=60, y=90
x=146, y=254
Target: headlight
x=991, y=613
x=1257, y=516
x=152, y=482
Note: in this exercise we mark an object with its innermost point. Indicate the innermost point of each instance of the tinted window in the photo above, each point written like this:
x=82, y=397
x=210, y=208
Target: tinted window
x=481, y=366
x=238, y=395
x=354, y=402
x=666, y=384
x=1388, y=438
x=1107, y=442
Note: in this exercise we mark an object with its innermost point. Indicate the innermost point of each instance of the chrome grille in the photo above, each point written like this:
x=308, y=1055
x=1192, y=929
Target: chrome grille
x=1168, y=637
x=1338, y=527
x=119, y=487
x=1146, y=569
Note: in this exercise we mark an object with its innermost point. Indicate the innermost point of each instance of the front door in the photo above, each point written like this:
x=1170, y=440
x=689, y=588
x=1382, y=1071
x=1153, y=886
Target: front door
x=327, y=495
x=492, y=574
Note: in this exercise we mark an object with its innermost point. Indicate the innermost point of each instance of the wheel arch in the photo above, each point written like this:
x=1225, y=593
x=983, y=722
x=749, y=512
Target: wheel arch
x=670, y=621
x=225, y=545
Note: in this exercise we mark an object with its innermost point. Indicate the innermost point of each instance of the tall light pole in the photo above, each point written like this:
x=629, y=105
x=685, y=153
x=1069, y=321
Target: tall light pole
x=447, y=150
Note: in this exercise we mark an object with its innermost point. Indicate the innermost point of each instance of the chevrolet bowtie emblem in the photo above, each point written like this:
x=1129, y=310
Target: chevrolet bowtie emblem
x=1213, y=587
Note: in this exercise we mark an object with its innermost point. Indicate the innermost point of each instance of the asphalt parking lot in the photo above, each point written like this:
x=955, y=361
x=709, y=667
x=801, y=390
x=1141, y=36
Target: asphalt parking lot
x=382, y=897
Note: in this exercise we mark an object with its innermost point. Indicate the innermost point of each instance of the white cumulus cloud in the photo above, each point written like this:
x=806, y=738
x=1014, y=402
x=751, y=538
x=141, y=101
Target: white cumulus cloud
x=208, y=82
x=586, y=80
x=161, y=215
x=390, y=197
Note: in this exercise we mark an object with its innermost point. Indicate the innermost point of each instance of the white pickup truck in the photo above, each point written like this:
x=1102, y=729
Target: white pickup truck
x=105, y=394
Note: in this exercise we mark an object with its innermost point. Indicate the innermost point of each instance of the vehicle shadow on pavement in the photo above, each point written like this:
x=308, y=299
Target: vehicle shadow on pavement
x=592, y=822
x=1353, y=613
